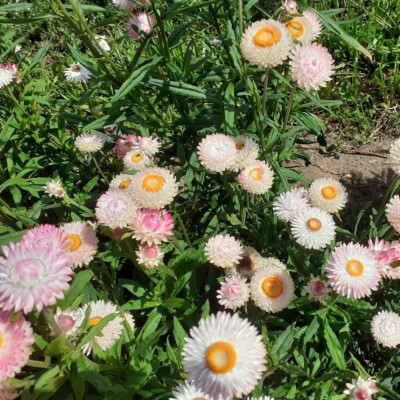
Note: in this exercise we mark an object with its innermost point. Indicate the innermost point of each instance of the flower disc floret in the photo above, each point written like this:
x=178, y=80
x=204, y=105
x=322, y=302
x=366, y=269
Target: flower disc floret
x=385, y=328
x=289, y=204
x=257, y=177
x=32, y=275
x=224, y=356
x=15, y=341
x=115, y=208
x=328, y=194
x=311, y=66
x=223, y=251
x=217, y=152
x=154, y=188
x=272, y=288
x=353, y=271
x=313, y=228
x=266, y=43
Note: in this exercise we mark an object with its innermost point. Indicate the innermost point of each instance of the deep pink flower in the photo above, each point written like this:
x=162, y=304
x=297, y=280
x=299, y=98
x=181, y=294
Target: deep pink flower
x=49, y=236
x=125, y=144
x=386, y=254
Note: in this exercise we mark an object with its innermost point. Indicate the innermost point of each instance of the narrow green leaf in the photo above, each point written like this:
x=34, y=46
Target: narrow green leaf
x=334, y=346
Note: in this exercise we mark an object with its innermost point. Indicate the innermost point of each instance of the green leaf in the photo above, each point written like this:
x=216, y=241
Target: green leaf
x=229, y=108
x=284, y=342
x=80, y=281
x=180, y=88
x=334, y=346
x=15, y=7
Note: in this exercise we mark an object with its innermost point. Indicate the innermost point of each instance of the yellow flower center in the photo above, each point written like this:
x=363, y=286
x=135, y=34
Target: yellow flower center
x=355, y=267
x=153, y=183
x=94, y=321
x=239, y=146
x=221, y=357
x=314, y=224
x=256, y=174
x=200, y=398
x=1, y=340
x=137, y=157
x=76, y=68
x=75, y=241
x=329, y=192
x=296, y=28
x=267, y=37
x=272, y=287
x=124, y=184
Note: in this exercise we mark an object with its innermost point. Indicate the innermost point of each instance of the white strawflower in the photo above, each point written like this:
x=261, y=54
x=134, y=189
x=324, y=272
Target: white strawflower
x=394, y=156
x=247, y=152
x=300, y=28
x=90, y=142
x=257, y=177
x=223, y=251
x=136, y=160
x=360, y=389
x=54, y=188
x=6, y=77
x=101, y=41
x=315, y=21
x=385, y=328
x=266, y=43
x=328, y=194
x=186, y=391
x=123, y=182
x=224, y=356
x=393, y=212
x=251, y=260
x=272, y=288
x=313, y=228
x=289, y=204
x=77, y=73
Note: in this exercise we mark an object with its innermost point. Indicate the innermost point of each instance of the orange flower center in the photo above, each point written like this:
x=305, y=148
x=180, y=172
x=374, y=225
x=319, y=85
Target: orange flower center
x=137, y=157
x=256, y=174
x=272, y=287
x=239, y=146
x=221, y=357
x=76, y=68
x=124, y=184
x=296, y=28
x=1, y=340
x=355, y=267
x=94, y=321
x=329, y=192
x=153, y=183
x=314, y=224
x=75, y=241
x=267, y=37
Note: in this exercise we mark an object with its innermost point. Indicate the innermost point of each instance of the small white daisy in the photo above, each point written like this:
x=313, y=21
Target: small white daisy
x=385, y=328
x=257, y=177
x=90, y=142
x=287, y=205
x=224, y=356
x=77, y=73
x=187, y=391
x=6, y=77
x=272, y=288
x=122, y=181
x=300, y=28
x=54, y=188
x=136, y=160
x=328, y=194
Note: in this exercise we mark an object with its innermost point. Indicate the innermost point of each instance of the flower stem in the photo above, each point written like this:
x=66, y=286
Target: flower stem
x=100, y=171
x=263, y=111
x=289, y=107
x=240, y=19
x=12, y=98
x=52, y=322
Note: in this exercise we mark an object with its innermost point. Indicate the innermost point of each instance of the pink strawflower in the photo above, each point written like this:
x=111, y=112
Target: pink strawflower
x=257, y=177
x=66, y=321
x=82, y=243
x=32, y=275
x=115, y=208
x=152, y=226
x=48, y=236
x=139, y=23
x=54, y=188
x=223, y=251
x=393, y=213
x=353, y=271
x=149, y=256
x=317, y=289
x=125, y=144
x=14, y=69
x=149, y=145
x=234, y=292
x=386, y=254
x=361, y=389
x=311, y=66
x=8, y=393
x=16, y=339
x=316, y=26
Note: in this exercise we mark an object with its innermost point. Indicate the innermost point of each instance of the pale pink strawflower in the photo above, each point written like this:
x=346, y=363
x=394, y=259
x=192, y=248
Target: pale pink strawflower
x=256, y=178
x=54, y=188
x=149, y=145
x=311, y=66
x=394, y=156
x=48, y=236
x=130, y=5
x=88, y=143
x=217, y=152
x=315, y=21
x=360, y=389
x=136, y=160
x=291, y=6
x=385, y=328
x=139, y=24
x=125, y=144
x=122, y=181
x=300, y=28
x=66, y=321
x=8, y=393
x=152, y=226
x=289, y=204
x=353, y=271
x=317, y=289
x=223, y=251
x=234, y=292
x=82, y=243
x=115, y=208
x=393, y=213
x=386, y=254
x=186, y=391
x=32, y=275
x=16, y=339
x=224, y=356
x=14, y=69
x=247, y=152
x=149, y=256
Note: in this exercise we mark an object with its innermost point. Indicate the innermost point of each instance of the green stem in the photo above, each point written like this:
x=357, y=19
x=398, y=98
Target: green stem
x=182, y=225
x=160, y=24
x=12, y=98
x=177, y=245
x=289, y=107
x=99, y=169
x=68, y=200
x=52, y=322
x=38, y=364
x=263, y=111
x=240, y=19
